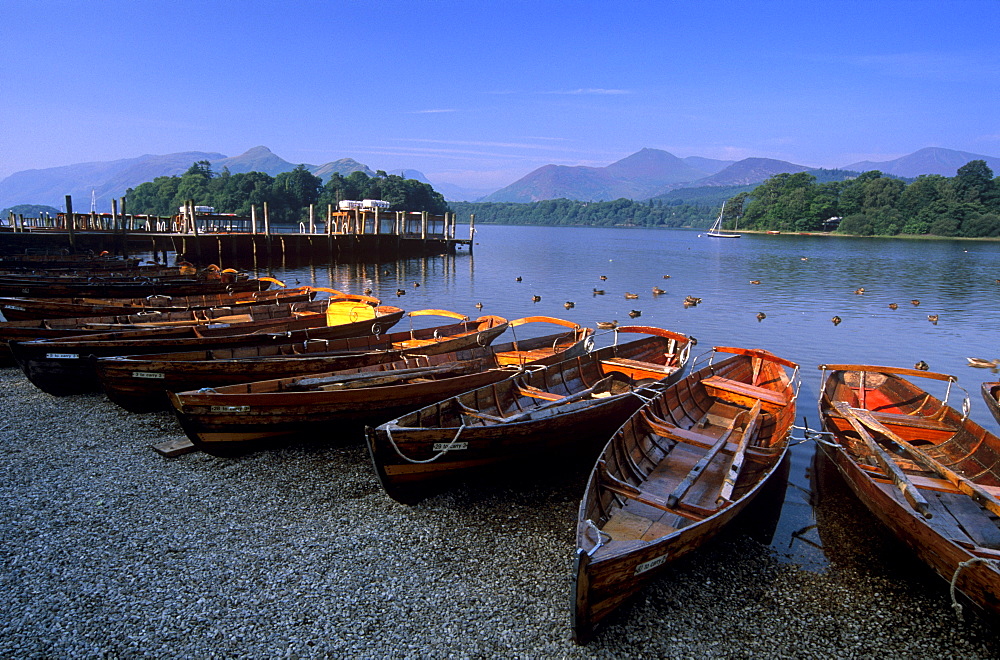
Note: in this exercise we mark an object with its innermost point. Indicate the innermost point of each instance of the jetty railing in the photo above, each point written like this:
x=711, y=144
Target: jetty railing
x=350, y=231
x=407, y=224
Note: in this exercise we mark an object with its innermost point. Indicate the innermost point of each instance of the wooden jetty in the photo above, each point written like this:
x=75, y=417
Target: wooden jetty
x=227, y=238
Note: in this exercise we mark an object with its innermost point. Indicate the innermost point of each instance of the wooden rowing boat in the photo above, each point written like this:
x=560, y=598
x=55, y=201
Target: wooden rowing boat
x=110, y=288
x=144, y=320
x=72, y=261
x=29, y=309
x=566, y=410
x=235, y=418
x=139, y=383
x=924, y=469
x=141, y=274
x=677, y=472
x=66, y=365
x=991, y=394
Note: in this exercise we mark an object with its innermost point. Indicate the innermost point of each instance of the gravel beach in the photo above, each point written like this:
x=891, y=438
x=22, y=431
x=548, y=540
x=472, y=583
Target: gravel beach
x=111, y=550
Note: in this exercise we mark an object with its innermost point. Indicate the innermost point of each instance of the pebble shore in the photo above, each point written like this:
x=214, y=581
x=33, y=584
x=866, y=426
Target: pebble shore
x=110, y=550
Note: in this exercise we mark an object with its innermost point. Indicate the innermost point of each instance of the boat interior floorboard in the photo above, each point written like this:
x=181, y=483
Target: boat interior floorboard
x=972, y=518
x=627, y=525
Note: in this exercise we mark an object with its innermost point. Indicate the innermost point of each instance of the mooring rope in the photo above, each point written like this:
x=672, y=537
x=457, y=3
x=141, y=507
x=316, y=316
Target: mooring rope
x=447, y=448
x=814, y=435
x=954, y=580
x=591, y=525
x=642, y=397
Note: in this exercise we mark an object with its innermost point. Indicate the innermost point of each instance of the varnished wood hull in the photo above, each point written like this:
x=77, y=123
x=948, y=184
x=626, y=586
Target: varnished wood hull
x=67, y=366
x=959, y=530
x=28, y=309
x=625, y=541
x=70, y=261
x=423, y=451
x=240, y=418
x=129, y=290
x=140, y=383
x=145, y=320
x=991, y=394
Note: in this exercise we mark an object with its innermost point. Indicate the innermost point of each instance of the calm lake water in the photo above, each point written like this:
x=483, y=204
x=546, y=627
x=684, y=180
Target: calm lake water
x=804, y=281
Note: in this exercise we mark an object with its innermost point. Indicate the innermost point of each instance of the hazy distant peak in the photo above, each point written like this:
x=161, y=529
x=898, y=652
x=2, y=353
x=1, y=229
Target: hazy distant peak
x=929, y=160
x=256, y=152
x=410, y=174
x=638, y=176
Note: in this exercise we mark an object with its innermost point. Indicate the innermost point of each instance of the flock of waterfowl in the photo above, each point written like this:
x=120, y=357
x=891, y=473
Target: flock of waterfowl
x=691, y=301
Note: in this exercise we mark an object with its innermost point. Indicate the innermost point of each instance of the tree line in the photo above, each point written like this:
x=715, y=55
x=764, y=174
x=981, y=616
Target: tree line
x=288, y=195
x=874, y=204
x=567, y=212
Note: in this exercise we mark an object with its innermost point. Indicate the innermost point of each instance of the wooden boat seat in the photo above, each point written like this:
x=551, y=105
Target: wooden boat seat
x=909, y=427
x=927, y=483
x=536, y=393
x=913, y=421
x=701, y=440
x=735, y=391
x=520, y=357
x=638, y=364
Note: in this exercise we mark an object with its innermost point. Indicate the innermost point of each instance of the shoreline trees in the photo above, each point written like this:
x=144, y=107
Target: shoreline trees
x=288, y=194
x=873, y=204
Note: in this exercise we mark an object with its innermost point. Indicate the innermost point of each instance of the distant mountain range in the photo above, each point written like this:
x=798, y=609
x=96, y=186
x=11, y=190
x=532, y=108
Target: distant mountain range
x=931, y=160
x=645, y=174
x=654, y=173
x=109, y=180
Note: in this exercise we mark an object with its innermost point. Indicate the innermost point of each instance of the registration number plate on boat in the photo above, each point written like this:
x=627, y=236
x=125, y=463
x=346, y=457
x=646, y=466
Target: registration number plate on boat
x=18, y=308
x=62, y=356
x=650, y=565
x=230, y=409
x=450, y=446
x=146, y=374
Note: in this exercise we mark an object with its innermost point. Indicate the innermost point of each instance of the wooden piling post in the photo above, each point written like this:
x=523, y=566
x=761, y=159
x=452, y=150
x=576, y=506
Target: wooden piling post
x=114, y=215
x=70, y=223
x=312, y=218
x=124, y=228
x=194, y=218
x=472, y=231
x=253, y=219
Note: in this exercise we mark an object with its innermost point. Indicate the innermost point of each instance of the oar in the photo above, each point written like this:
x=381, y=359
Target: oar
x=683, y=487
x=736, y=464
x=899, y=478
x=602, y=385
x=366, y=378
x=964, y=484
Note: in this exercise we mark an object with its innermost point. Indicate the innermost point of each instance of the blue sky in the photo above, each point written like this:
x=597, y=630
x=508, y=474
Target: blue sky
x=480, y=93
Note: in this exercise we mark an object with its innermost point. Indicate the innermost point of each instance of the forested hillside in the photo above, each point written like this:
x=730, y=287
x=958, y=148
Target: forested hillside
x=288, y=194
x=618, y=213
x=873, y=204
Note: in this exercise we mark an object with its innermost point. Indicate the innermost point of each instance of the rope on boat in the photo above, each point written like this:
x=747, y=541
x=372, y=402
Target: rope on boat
x=447, y=448
x=642, y=397
x=814, y=435
x=601, y=535
x=954, y=580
